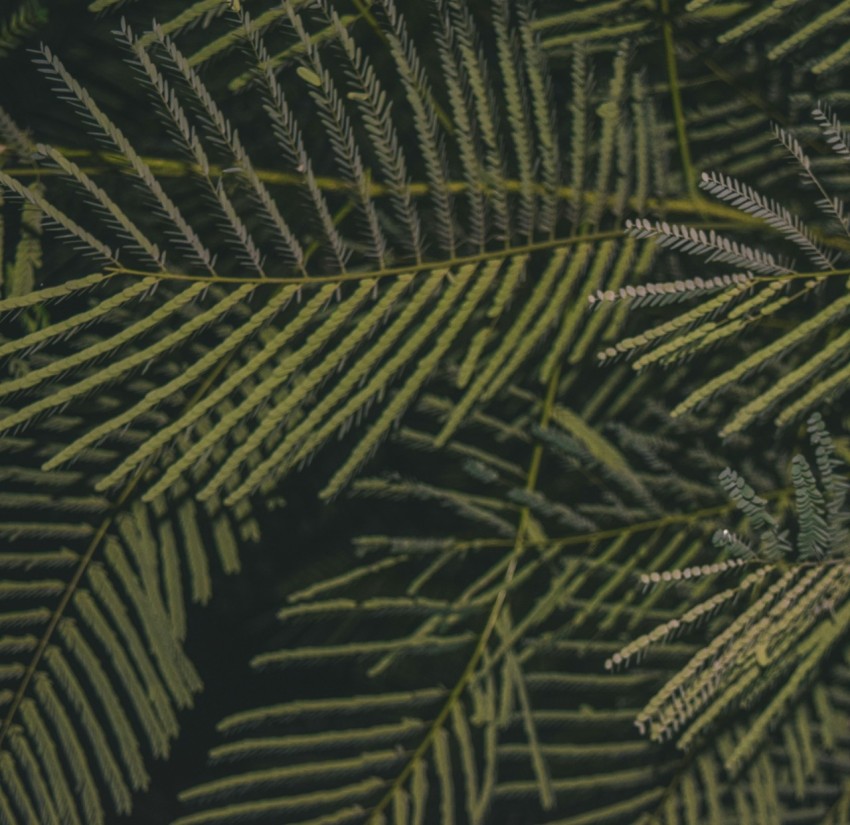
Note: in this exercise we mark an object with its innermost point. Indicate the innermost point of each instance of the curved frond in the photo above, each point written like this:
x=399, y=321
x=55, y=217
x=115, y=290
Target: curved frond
x=350, y=285
x=361, y=221
x=94, y=592
x=92, y=655
x=521, y=611
x=766, y=288
x=798, y=614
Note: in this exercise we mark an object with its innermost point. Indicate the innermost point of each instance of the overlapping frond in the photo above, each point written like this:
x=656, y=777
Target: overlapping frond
x=483, y=636
x=797, y=615
x=761, y=288
x=392, y=298
x=93, y=620
x=95, y=596
x=796, y=776
x=421, y=203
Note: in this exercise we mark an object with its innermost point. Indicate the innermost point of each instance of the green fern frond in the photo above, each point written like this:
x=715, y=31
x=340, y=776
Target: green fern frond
x=711, y=245
x=389, y=217
x=94, y=115
x=512, y=700
x=100, y=605
x=60, y=219
x=791, y=339
x=19, y=274
x=812, y=378
x=800, y=37
x=748, y=200
x=782, y=635
x=495, y=276
x=98, y=675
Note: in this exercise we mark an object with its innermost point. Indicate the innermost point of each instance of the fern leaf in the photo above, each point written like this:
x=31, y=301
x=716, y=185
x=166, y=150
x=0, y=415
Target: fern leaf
x=201, y=129
x=808, y=31
x=130, y=362
x=385, y=140
x=610, y=113
x=486, y=115
x=246, y=248
x=516, y=107
x=751, y=202
x=114, y=212
x=451, y=746
x=338, y=126
x=713, y=246
x=427, y=364
x=835, y=383
x=159, y=394
x=283, y=369
x=418, y=96
x=761, y=356
x=60, y=219
x=92, y=112
x=541, y=108
x=495, y=369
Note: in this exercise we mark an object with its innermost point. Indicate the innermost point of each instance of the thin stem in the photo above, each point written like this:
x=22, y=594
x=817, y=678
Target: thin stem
x=74, y=582
x=676, y=99
x=389, y=272
x=372, y=274
x=519, y=544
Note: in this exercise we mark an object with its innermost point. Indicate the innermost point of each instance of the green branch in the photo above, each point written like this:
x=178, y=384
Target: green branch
x=519, y=545
x=676, y=99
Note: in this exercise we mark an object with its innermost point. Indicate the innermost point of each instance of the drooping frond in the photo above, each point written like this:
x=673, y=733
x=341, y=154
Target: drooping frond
x=766, y=289
x=504, y=610
x=393, y=298
x=771, y=652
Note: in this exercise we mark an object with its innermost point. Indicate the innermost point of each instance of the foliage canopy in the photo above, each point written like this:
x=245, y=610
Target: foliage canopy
x=544, y=312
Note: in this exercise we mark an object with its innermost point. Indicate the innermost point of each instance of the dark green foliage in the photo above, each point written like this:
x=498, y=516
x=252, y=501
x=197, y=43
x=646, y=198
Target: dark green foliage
x=317, y=227
x=25, y=19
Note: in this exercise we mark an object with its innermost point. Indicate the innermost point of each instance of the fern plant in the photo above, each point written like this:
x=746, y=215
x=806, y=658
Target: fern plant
x=785, y=633
x=381, y=220
x=95, y=594
x=374, y=271
x=268, y=366
x=533, y=728
x=763, y=287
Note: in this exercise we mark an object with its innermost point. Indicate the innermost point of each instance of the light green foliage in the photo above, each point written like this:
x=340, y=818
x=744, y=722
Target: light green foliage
x=773, y=286
x=373, y=263
x=71, y=699
x=780, y=638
